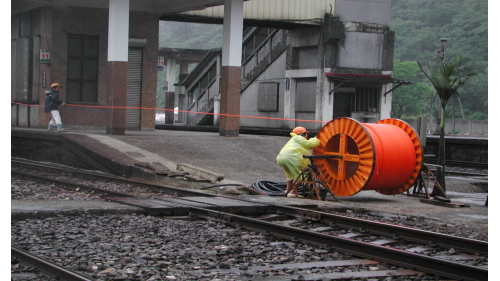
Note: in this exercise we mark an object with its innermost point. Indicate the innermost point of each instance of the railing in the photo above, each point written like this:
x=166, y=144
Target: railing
x=262, y=57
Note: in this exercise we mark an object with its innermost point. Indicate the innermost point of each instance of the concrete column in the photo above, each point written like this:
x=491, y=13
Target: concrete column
x=117, y=66
x=216, y=110
x=324, y=100
x=289, y=102
x=385, y=102
x=182, y=93
x=231, y=68
x=170, y=95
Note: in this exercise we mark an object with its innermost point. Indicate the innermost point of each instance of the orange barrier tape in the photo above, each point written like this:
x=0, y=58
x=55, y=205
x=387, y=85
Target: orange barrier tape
x=186, y=111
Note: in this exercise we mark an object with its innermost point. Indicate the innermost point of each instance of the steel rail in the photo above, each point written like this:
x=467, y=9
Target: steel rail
x=77, y=173
x=389, y=230
x=389, y=255
x=48, y=267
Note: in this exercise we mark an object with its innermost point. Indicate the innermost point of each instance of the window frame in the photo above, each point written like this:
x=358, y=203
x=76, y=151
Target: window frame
x=366, y=98
x=82, y=80
x=192, y=98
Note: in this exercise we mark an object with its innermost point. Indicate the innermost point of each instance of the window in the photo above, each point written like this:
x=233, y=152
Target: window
x=25, y=56
x=261, y=36
x=268, y=96
x=254, y=41
x=202, y=85
x=365, y=100
x=249, y=48
x=82, y=65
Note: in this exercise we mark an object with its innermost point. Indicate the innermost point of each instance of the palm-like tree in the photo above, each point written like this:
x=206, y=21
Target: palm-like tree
x=446, y=78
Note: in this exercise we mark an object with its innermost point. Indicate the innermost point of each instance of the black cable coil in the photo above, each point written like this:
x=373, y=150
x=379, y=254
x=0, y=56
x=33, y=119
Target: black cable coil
x=272, y=188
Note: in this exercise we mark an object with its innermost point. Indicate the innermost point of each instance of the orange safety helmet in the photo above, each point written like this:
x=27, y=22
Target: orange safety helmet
x=55, y=85
x=299, y=130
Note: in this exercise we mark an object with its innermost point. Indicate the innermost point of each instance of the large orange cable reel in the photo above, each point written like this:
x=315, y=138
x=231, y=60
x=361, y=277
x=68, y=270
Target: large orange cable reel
x=385, y=156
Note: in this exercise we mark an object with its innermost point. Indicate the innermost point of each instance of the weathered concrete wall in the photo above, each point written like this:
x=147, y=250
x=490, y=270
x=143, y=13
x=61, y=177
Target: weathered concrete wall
x=362, y=50
x=378, y=11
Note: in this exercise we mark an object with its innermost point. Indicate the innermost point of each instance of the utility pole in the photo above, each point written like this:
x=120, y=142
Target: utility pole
x=441, y=153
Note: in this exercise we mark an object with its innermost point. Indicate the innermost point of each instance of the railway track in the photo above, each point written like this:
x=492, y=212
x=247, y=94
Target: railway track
x=416, y=251
x=48, y=268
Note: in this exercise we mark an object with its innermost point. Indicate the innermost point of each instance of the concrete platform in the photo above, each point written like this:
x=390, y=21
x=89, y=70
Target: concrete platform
x=244, y=160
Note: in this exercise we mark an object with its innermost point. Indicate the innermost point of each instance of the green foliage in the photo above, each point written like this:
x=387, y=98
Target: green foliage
x=419, y=25
x=409, y=100
x=447, y=78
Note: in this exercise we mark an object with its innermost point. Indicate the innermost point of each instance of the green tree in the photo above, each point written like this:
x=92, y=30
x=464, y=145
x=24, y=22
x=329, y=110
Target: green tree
x=409, y=100
x=417, y=24
x=446, y=78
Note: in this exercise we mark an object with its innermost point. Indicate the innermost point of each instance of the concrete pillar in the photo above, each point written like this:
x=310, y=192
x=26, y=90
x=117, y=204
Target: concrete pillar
x=216, y=110
x=170, y=95
x=385, y=102
x=231, y=68
x=117, y=66
x=183, y=71
x=289, y=102
x=324, y=100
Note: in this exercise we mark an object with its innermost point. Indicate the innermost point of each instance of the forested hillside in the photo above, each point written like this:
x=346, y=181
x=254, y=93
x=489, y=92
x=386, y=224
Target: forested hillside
x=419, y=26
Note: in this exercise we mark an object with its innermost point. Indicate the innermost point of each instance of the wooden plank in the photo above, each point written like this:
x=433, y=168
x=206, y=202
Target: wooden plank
x=444, y=204
x=340, y=276
x=226, y=202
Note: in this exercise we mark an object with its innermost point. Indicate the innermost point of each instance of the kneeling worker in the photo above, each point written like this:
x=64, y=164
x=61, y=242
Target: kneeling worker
x=291, y=157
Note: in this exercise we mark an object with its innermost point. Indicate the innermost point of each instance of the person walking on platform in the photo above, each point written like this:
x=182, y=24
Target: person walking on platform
x=51, y=107
x=291, y=155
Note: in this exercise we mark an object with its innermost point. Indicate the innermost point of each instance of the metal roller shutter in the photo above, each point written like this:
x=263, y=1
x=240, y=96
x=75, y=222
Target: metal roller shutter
x=134, y=81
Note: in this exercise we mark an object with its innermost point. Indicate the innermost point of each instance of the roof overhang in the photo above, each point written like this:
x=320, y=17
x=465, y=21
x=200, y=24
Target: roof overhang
x=366, y=78
x=153, y=6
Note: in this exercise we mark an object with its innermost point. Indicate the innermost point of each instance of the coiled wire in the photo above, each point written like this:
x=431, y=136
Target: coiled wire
x=272, y=188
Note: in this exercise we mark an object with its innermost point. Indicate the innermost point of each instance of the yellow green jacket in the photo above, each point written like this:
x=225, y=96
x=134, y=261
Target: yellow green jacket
x=291, y=155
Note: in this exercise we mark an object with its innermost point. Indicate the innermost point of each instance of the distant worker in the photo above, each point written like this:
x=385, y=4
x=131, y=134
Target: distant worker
x=291, y=155
x=52, y=103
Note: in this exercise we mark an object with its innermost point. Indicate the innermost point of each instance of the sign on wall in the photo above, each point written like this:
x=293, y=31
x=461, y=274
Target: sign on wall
x=44, y=56
x=161, y=63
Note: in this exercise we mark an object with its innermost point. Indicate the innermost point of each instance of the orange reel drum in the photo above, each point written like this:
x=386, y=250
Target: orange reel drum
x=385, y=156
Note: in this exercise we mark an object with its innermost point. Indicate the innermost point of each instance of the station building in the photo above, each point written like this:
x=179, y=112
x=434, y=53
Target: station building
x=300, y=61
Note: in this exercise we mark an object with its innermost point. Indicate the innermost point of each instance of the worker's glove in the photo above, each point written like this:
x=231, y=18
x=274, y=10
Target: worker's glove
x=63, y=103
